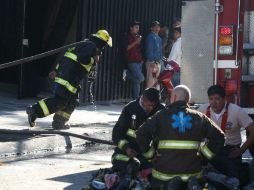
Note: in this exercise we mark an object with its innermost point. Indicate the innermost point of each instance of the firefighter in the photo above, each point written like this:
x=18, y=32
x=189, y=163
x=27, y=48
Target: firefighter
x=76, y=63
x=181, y=134
x=133, y=115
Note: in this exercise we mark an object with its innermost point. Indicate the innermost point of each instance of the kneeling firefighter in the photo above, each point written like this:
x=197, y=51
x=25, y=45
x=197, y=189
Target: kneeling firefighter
x=77, y=62
x=133, y=115
x=181, y=134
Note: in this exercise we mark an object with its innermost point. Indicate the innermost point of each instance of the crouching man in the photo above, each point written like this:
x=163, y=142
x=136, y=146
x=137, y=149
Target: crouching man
x=179, y=131
x=124, y=132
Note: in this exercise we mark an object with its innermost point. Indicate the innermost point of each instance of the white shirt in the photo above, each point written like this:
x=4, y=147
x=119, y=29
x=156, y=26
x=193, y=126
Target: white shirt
x=237, y=119
x=176, y=52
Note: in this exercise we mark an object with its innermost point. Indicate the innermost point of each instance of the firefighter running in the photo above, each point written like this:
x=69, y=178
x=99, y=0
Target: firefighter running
x=77, y=62
x=179, y=131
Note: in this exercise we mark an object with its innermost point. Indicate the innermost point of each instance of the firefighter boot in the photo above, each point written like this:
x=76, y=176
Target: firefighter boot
x=31, y=116
x=59, y=125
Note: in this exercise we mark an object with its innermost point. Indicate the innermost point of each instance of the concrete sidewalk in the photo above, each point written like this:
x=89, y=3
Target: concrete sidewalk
x=93, y=120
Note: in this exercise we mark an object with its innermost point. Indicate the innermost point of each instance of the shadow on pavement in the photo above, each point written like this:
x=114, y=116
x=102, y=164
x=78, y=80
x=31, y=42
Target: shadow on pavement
x=77, y=180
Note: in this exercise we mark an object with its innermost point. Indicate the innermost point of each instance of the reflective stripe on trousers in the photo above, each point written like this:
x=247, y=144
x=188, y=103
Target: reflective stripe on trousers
x=44, y=107
x=166, y=177
x=66, y=84
x=63, y=114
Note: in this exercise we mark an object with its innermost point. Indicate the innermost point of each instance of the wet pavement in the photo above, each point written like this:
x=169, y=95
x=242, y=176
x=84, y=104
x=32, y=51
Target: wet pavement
x=53, y=161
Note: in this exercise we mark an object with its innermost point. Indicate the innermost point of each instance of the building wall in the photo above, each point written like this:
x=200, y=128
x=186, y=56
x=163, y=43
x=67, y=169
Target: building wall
x=114, y=16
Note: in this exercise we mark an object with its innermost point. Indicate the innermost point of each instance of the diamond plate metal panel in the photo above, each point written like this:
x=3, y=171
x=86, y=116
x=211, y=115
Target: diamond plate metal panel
x=197, y=47
x=251, y=65
x=249, y=27
x=251, y=33
x=246, y=28
x=248, y=62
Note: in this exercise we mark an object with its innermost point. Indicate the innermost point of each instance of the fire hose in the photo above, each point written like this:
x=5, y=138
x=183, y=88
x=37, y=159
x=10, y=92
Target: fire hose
x=38, y=56
x=51, y=132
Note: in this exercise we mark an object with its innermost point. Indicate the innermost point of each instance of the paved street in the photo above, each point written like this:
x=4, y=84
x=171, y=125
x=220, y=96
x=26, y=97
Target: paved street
x=53, y=161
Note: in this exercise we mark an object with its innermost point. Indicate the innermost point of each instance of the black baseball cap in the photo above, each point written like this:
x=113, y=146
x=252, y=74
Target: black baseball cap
x=133, y=23
x=155, y=23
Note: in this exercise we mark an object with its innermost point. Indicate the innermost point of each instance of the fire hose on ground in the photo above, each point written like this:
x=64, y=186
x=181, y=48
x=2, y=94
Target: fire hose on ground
x=54, y=132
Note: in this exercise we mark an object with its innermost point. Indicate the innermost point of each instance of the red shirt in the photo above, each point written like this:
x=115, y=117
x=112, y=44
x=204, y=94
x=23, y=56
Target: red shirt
x=134, y=54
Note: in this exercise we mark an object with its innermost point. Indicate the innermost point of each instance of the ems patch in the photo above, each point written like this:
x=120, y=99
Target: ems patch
x=182, y=122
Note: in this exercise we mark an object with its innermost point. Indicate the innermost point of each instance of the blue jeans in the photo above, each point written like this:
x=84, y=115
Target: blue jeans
x=136, y=76
x=176, y=79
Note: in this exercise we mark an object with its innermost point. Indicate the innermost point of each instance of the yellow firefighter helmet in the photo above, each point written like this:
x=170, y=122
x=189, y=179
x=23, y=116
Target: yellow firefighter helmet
x=104, y=35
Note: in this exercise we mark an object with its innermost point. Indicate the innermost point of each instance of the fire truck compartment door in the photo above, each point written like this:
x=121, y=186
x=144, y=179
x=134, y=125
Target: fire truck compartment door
x=198, y=47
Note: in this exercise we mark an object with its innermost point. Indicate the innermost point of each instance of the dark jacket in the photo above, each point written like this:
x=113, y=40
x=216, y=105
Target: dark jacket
x=76, y=62
x=179, y=131
x=124, y=130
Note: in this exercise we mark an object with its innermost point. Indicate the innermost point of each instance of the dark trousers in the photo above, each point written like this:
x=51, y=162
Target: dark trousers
x=226, y=165
x=62, y=104
x=168, y=185
x=120, y=165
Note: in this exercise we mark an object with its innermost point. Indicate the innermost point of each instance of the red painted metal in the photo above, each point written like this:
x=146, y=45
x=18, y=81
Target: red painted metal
x=251, y=96
x=229, y=16
x=249, y=5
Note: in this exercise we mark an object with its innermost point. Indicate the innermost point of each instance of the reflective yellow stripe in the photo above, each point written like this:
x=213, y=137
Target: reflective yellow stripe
x=66, y=84
x=165, y=177
x=57, y=66
x=89, y=65
x=131, y=133
x=44, y=107
x=207, y=152
x=149, y=154
x=71, y=56
x=176, y=144
x=121, y=143
x=121, y=157
x=63, y=114
x=75, y=58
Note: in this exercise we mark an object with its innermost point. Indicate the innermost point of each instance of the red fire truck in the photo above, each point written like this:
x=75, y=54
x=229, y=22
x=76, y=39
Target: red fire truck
x=218, y=48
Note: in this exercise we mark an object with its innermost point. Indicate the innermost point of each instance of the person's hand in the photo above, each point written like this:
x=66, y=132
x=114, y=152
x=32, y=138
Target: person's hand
x=96, y=59
x=154, y=69
x=138, y=40
x=52, y=75
x=131, y=153
x=235, y=152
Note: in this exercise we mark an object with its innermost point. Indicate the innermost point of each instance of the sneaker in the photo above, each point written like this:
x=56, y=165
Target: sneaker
x=31, y=116
x=59, y=126
x=124, y=74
